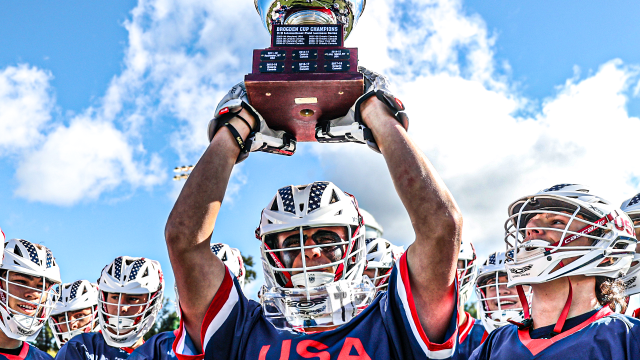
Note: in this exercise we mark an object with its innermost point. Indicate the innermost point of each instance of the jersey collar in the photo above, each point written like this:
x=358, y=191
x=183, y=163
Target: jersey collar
x=536, y=346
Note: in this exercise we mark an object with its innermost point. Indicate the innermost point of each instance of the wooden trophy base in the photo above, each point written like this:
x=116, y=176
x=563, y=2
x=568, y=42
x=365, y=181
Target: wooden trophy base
x=306, y=76
x=296, y=102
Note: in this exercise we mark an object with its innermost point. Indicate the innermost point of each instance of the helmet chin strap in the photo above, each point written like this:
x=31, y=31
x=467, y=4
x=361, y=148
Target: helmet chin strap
x=528, y=321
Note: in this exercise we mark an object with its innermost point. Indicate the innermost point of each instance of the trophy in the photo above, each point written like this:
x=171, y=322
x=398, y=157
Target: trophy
x=307, y=75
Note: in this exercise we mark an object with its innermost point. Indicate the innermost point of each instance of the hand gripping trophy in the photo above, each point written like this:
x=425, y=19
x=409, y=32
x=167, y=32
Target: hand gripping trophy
x=307, y=86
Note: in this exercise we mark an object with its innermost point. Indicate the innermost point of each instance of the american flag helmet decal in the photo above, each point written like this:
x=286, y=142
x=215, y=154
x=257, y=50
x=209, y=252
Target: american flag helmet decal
x=287, y=199
x=33, y=254
x=315, y=195
x=557, y=187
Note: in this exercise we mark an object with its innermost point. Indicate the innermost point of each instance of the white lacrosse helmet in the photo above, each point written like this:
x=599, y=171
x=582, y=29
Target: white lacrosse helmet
x=136, y=276
x=381, y=256
x=467, y=274
x=232, y=258
x=632, y=208
x=631, y=283
x=371, y=226
x=302, y=296
x=534, y=261
x=22, y=256
x=493, y=268
x=78, y=295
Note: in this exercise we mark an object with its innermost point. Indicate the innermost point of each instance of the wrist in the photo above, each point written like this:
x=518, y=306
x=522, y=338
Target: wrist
x=373, y=111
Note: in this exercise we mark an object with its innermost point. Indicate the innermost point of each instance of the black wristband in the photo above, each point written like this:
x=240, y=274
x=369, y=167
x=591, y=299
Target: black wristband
x=236, y=136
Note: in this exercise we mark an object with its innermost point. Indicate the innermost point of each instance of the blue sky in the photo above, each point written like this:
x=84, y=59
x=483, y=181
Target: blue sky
x=100, y=100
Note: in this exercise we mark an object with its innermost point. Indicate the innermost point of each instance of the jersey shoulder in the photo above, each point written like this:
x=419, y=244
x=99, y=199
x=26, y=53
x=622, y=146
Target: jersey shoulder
x=86, y=338
x=617, y=338
x=158, y=347
x=625, y=324
x=36, y=354
x=166, y=336
x=90, y=346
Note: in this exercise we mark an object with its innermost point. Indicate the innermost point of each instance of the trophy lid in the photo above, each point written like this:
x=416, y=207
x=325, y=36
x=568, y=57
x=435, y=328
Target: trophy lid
x=310, y=12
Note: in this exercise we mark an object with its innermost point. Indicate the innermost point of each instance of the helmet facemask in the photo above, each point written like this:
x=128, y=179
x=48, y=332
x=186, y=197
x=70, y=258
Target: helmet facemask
x=23, y=318
x=320, y=295
x=62, y=325
x=322, y=223
x=495, y=308
x=77, y=305
x=467, y=270
x=128, y=319
x=605, y=250
x=33, y=270
x=136, y=284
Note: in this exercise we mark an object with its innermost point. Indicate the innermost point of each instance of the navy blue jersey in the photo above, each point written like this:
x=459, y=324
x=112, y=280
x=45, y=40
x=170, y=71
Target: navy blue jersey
x=472, y=334
x=91, y=346
x=158, y=347
x=28, y=352
x=605, y=335
x=389, y=328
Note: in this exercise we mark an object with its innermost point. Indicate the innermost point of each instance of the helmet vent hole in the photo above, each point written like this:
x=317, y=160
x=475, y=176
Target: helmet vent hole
x=110, y=272
x=16, y=250
x=338, y=213
x=274, y=206
x=334, y=197
x=15, y=262
x=146, y=272
x=301, y=207
x=224, y=257
x=269, y=222
x=128, y=262
x=375, y=248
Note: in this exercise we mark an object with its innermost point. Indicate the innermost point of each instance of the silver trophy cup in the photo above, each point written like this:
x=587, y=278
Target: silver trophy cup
x=313, y=12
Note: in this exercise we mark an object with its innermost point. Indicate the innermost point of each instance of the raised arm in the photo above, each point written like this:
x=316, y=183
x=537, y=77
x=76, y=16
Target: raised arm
x=434, y=215
x=198, y=272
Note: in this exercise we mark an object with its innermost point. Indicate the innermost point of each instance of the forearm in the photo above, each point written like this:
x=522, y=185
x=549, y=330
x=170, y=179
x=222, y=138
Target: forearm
x=434, y=215
x=198, y=272
x=430, y=205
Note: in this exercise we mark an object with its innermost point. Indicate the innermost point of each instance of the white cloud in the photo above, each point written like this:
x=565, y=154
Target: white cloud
x=26, y=102
x=183, y=56
x=464, y=117
x=82, y=161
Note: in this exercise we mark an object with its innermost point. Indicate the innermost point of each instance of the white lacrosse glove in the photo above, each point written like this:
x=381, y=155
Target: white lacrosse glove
x=351, y=128
x=261, y=137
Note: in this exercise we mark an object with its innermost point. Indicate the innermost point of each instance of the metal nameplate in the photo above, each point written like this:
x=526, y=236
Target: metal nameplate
x=307, y=35
x=305, y=66
x=310, y=54
x=271, y=67
x=336, y=66
x=273, y=55
x=337, y=54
